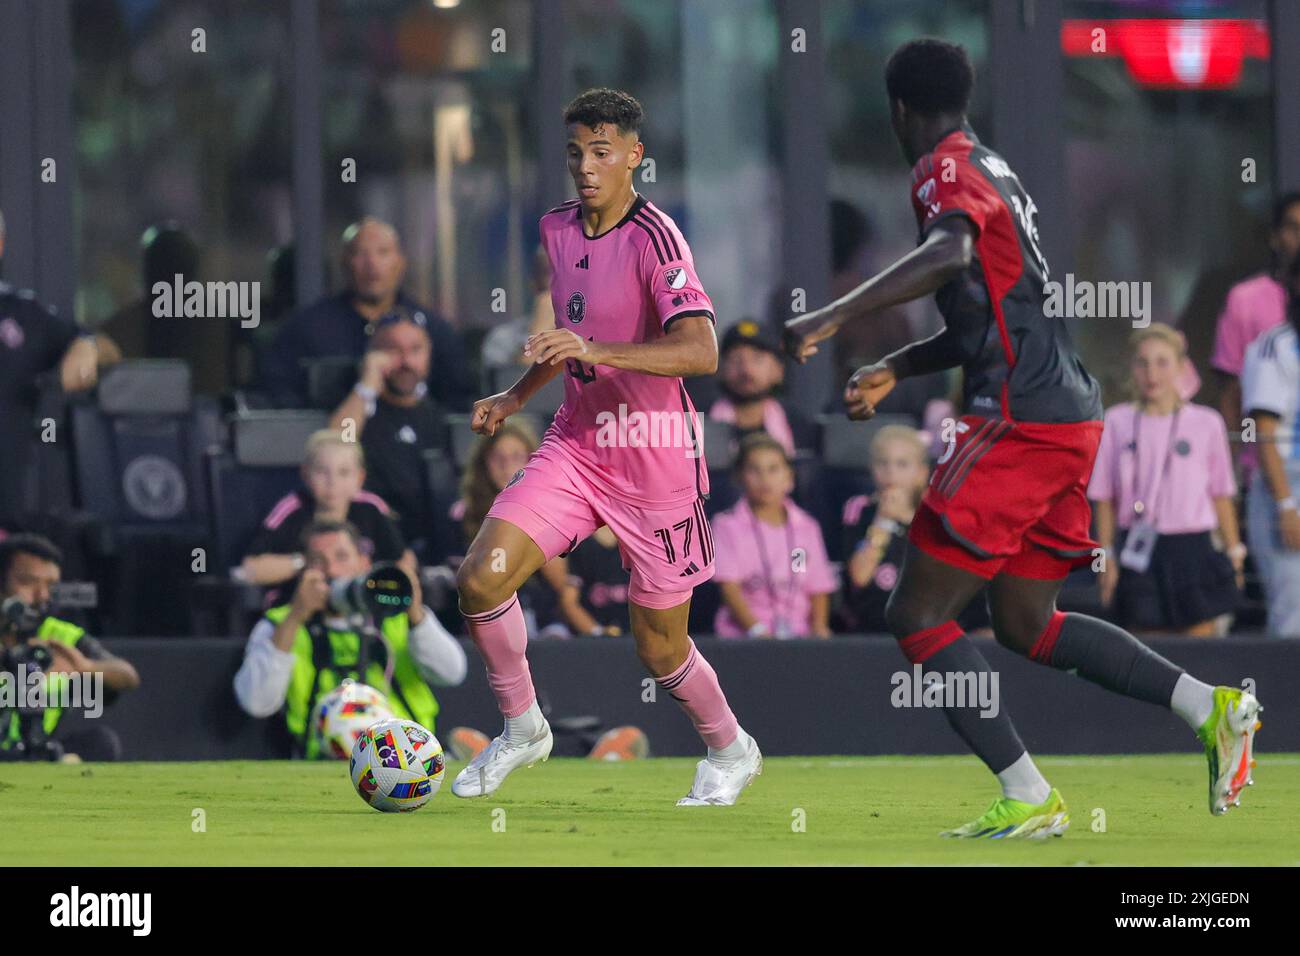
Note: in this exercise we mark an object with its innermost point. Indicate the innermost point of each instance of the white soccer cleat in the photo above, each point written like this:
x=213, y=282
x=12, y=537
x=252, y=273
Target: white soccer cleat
x=720, y=786
x=486, y=772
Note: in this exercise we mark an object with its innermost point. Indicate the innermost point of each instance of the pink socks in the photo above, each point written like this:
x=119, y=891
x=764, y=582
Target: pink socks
x=695, y=686
x=501, y=637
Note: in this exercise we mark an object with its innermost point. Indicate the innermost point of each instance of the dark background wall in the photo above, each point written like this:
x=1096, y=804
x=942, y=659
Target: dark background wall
x=796, y=697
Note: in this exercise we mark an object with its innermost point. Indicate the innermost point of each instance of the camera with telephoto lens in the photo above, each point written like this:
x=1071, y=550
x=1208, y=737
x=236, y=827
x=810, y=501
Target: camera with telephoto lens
x=383, y=591
x=17, y=664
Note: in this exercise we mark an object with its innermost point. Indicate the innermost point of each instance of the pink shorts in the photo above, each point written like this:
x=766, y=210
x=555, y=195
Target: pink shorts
x=668, y=549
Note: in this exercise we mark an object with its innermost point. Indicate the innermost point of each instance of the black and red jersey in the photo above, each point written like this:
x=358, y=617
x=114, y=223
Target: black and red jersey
x=1019, y=363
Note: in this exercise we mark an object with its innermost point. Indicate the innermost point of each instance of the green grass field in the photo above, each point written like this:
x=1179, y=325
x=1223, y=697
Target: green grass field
x=855, y=810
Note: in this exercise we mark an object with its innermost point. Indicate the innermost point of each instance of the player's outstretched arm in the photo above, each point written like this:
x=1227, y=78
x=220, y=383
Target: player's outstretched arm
x=945, y=254
x=689, y=347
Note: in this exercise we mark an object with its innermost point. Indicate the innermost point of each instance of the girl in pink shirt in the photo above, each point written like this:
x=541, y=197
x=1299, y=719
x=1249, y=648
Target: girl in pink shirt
x=1163, y=489
x=771, y=563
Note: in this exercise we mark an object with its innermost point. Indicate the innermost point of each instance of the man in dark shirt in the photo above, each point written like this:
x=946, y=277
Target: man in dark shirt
x=341, y=325
x=391, y=414
x=34, y=341
x=1006, y=508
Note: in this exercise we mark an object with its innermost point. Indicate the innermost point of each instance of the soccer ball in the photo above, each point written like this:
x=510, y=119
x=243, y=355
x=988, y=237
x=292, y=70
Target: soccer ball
x=396, y=766
x=344, y=713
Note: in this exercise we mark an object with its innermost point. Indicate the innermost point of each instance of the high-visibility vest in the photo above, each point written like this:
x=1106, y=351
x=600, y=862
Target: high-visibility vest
x=322, y=663
x=51, y=629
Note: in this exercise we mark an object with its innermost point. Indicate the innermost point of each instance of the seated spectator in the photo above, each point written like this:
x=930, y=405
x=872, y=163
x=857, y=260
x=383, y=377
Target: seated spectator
x=1271, y=391
x=341, y=325
x=30, y=570
x=391, y=413
x=875, y=531
x=751, y=371
x=36, y=341
x=168, y=251
x=333, y=472
x=770, y=560
x=301, y=650
x=1162, y=486
x=875, y=525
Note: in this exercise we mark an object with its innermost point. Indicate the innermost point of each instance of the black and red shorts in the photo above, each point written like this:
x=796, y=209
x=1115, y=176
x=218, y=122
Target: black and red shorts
x=1011, y=497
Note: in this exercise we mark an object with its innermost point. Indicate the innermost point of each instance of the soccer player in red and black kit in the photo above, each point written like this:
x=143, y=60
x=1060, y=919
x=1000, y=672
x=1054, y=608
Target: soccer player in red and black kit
x=1006, y=507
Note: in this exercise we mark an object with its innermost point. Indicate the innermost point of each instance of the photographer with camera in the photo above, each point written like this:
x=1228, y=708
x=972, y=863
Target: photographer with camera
x=347, y=619
x=71, y=663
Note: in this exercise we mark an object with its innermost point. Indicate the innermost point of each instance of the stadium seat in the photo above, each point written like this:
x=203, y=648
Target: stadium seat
x=329, y=380
x=259, y=468
x=144, y=432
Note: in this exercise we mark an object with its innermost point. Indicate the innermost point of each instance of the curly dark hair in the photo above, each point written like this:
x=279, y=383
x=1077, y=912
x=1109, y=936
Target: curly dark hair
x=932, y=77
x=604, y=105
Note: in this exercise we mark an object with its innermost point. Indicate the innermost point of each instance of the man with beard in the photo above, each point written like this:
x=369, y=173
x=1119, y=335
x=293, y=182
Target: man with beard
x=341, y=325
x=390, y=412
x=751, y=372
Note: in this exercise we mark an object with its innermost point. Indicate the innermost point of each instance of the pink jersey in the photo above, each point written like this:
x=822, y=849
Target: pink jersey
x=1183, y=481
x=1253, y=306
x=637, y=436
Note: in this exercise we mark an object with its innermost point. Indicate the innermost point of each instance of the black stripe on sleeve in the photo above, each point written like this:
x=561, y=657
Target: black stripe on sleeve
x=650, y=232
x=666, y=234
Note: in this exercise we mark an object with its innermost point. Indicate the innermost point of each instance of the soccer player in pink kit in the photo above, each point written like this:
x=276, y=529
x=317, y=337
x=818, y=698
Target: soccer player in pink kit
x=624, y=450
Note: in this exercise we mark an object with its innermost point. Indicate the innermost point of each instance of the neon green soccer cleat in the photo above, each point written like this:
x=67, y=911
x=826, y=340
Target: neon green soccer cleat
x=1014, y=819
x=1229, y=738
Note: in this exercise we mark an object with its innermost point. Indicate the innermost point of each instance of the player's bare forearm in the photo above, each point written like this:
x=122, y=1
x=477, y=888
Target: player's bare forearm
x=532, y=380
x=945, y=254
x=689, y=347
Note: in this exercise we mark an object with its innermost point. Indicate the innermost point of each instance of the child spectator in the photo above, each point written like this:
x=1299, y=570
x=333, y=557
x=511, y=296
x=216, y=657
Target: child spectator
x=875, y=526
x=333, y=472
x=875, y=531
x=770, y=560
x=1162, y=486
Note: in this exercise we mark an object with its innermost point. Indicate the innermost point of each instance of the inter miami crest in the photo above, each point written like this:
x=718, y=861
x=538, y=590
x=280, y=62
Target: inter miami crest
x=577, y=308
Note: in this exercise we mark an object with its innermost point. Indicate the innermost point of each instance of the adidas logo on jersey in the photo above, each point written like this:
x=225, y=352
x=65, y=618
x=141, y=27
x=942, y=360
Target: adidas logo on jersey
x=691, y=568
x=583, y=263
